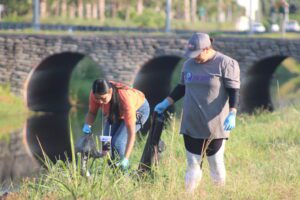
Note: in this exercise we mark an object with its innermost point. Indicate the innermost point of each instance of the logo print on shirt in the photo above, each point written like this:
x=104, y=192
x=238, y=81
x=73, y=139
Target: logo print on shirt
x=189, y=77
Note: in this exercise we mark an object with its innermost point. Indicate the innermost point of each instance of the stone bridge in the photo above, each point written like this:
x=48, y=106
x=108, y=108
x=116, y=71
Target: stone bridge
x=39, y=66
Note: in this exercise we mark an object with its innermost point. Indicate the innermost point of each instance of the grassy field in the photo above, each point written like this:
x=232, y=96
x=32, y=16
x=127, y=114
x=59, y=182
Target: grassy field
x=262, y=159
x=262, y=156
x=12, y=111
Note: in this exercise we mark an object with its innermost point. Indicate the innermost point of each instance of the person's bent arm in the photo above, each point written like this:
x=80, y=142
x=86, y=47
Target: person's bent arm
x=90, y=118
x=175, y=95
x=233, y=95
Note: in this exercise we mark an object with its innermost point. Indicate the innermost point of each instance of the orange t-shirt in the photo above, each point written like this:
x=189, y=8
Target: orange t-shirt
x=130, y=100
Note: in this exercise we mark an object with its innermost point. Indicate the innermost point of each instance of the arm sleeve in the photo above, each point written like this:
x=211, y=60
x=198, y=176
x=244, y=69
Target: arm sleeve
x=178, y=92
x=233, y=97
x=231, y=74
x=93, y=107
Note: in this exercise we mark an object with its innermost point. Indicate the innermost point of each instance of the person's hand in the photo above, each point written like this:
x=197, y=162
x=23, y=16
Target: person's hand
x=123, y=164
x=229, y=122
x=162, y=106
x=86, y=129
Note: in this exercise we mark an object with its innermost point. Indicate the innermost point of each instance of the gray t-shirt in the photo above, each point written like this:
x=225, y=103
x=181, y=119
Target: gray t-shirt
x=205, y=103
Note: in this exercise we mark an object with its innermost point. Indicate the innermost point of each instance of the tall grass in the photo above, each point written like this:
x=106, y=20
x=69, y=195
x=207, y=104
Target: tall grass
x=285, y=86
x=262, y=159
x=12, y=111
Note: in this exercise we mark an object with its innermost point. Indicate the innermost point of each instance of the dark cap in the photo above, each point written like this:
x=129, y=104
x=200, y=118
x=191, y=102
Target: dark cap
x=197, y=43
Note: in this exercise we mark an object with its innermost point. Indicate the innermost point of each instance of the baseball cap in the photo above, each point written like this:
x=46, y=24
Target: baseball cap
x=197, y=43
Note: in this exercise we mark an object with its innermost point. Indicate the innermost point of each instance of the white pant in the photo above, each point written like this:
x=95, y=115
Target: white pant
x=194, y=172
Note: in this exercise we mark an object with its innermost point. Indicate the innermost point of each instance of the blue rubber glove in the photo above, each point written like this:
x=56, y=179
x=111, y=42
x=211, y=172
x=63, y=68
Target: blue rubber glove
x=229, y=122
x=162, y=106
x=86, y=129
x=123, y=164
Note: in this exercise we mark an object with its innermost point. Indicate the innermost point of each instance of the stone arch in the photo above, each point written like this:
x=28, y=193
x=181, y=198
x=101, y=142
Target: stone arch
x=255, y=91
x=47, y=135
x=47, y=85
x=154, y=78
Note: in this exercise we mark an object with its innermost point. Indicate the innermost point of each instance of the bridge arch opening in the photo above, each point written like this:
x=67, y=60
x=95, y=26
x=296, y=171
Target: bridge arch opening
x=260, y=86
x=48, y=85
x=155, y=78
x=57, y=83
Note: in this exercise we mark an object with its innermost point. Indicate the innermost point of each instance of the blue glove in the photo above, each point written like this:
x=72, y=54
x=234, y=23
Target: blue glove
x=229, y=122
x=162, y=106
x=123, y=164
x=86, y=129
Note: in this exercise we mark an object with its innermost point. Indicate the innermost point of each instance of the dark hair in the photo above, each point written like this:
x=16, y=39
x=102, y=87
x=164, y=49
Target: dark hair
x=102, y=86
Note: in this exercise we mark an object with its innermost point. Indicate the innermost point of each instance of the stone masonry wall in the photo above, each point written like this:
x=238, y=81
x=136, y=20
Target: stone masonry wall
x=121, y=57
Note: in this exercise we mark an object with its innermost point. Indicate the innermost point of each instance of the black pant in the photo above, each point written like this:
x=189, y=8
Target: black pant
x=197, y=146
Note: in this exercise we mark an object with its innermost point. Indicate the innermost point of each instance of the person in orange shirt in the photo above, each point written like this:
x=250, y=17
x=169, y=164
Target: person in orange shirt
x=126, y=110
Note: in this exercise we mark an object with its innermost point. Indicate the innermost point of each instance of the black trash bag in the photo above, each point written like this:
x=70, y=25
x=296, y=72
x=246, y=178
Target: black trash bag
x=154, y=145
x=87, y=146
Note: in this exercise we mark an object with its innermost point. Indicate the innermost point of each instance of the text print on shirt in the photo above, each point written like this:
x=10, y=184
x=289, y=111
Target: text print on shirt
x=189, y=77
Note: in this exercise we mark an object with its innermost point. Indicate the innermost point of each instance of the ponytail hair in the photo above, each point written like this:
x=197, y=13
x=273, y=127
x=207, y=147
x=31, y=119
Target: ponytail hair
x=101, y=87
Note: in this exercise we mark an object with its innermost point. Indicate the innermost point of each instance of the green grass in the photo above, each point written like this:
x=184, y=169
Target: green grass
x=285, y=86
x=12, y=111
x=83, y=75
x=213, y=33
x=262, y=159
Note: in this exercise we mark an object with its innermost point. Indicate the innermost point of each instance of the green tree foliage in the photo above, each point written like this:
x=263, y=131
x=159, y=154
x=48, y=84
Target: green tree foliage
x=17, y=7
x=149, y=18
x=126, y=10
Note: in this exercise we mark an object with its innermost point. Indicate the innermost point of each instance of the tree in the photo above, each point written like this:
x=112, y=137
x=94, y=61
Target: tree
x=17, y=7
x=88, y=10
x=140, y=7
x=114, y=8
x=101, y=9
x=95, y=9
x=80, y=8
x=63, y=8
x=44, y=7
x=194, y=10
x=221, y=14
x=187, y=11
x=72, y=8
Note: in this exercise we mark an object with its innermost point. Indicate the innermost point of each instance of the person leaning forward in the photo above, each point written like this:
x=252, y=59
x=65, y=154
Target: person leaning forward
x=125, y=109
x=210, y=83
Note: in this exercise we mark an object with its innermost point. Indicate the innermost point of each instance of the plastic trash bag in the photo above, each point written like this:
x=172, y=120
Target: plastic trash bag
x=87, y=146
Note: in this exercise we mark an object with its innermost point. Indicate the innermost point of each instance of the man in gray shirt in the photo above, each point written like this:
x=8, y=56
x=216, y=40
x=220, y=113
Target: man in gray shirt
x=210, y=83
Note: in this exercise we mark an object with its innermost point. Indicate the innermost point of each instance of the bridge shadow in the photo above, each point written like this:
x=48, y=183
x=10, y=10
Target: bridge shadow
x=48, y=134
x=48, y=86
x=47, y=91
x=255, y=91
x=154, y=80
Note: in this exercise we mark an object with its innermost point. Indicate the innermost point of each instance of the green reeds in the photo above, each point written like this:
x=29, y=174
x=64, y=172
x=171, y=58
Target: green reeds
x=262, y=161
